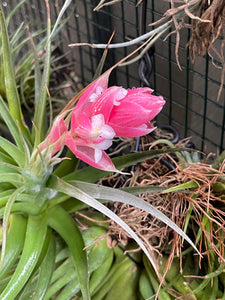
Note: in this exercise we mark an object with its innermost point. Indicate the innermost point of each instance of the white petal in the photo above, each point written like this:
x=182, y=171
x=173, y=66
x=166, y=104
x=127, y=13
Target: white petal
x=93, y=97
x=98, y=155
x=97, y=93
x=103, y=145
x=119, y=96
x=97, y=121
x=107, y=132
x=99, y=90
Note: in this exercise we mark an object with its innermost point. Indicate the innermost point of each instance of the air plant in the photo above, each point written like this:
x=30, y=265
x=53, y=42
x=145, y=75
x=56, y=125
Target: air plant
x=40, y=186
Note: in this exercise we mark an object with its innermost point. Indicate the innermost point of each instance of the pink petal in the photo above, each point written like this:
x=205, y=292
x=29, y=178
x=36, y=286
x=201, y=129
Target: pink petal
x=56, y=133
x=86, y=99
x=83, y=126
x=88, y=155
x=137, y=108
x=131, y=115
x=144, y=97
x=128, y=114
x=133, y=131
x=106, y=101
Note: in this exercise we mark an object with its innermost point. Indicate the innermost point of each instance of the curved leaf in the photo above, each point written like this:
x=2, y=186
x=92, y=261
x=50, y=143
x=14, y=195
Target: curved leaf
x=136, y=190
x=69, y=277
x=10, y=82
x=14, y=10
x=11, y=124
x=40, y=108
x=12, y=150
x=62, y=223
x=46, y=270
x=110, y=194
x=69, y=290
x=92, y=174
x=35, y=236
x=88, y=199
x=12, y=178
x=14, y=242
x=63, y=9
x=5, y=222
x=24, y=208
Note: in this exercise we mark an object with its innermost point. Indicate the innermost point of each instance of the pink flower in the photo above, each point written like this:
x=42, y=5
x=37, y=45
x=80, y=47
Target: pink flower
x=102, y=113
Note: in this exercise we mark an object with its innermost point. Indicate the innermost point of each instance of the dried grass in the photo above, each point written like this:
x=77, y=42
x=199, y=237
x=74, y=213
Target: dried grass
x=206, y=225
x=204, y=35
x=207, y=28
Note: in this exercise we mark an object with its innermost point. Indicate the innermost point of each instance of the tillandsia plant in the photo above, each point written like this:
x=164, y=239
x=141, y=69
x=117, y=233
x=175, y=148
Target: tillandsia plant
x=25, y=55
x=42, y=246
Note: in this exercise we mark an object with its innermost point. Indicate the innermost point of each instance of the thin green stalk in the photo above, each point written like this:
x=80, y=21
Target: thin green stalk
x=40, y=108
x=10, y=81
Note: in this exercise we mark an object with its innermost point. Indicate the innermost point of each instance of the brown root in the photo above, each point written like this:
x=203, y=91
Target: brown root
x=199, y=209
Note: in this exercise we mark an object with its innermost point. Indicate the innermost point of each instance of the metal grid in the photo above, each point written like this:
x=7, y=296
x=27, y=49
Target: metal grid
x=191, y=93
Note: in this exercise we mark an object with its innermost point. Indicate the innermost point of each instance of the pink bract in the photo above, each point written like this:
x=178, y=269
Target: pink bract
x=56, y=134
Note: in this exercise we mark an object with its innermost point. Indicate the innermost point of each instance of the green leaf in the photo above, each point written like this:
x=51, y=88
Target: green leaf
x=25, y=208
x=145, y=287
x=134, y=158
x=64, y=225
x=111, y=194
x=147, y=189
x=37, y=70
x=45, y=247
x=68, y=277
x=29, y=288
x=11, y=124
x=46, y=271
x=116, y=271
x=125, y=284
x=35, y=236
x=92, y=174
x=14, y=40
x=184, y=186
x=6, y=158
x=10, y=82
x=65, y=265
x=12, y=178
x=68, y=292
x=62, y=11
x=8, y=168
x=218, y=161
x=5, y=222
x=162, y=293
x=14, y=10
x=14, y=242
x=4, y=196
x=62, y=186
x=40, y=108
x=99, y=251
x=13, y=151
x=100, y=274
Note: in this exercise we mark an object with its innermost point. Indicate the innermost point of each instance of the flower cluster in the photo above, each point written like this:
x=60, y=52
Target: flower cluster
x=101, y=114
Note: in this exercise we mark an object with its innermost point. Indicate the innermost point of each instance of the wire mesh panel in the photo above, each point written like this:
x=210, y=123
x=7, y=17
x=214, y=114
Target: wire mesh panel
x=191, y=91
